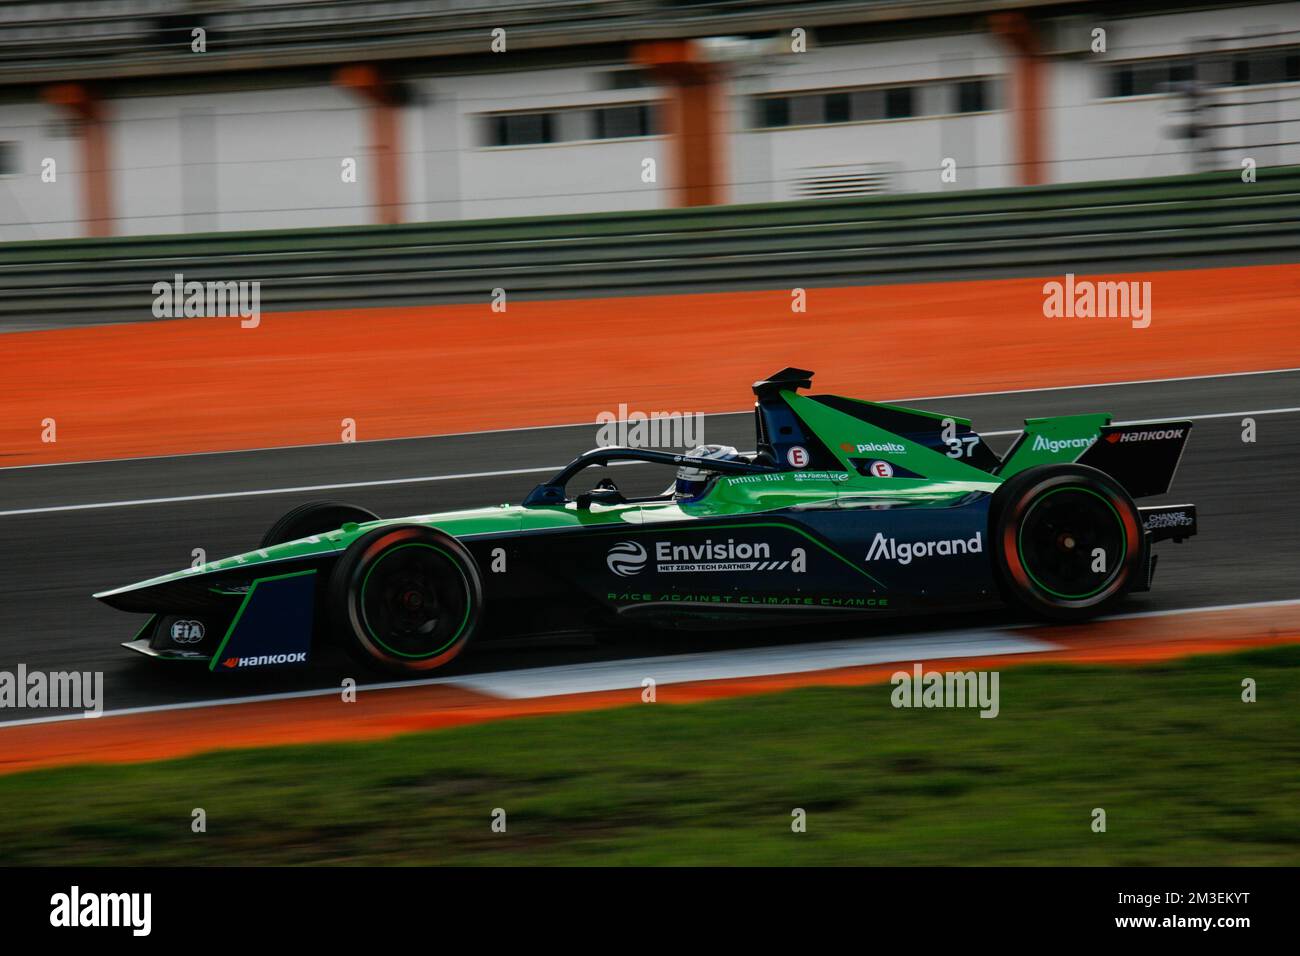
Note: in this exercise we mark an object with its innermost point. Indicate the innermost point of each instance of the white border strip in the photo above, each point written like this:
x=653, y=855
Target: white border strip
x=466, y=678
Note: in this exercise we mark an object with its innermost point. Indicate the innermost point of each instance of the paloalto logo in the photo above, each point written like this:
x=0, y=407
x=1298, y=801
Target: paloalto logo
x=879, y=447
x=888, y=549
x=626, y=559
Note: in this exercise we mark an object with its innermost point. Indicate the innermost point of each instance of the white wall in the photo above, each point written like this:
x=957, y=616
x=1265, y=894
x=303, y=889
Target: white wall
x=766, y=163
x=544, y=179
x=248, y=160
x=29, y=208
x=1096, y=137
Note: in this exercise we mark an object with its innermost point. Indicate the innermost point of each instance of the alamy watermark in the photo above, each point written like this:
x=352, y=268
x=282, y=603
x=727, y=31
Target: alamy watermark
x=1086, y=299
x=180, y=299
x=637, y=429
x=24, y=689
x=949, y=689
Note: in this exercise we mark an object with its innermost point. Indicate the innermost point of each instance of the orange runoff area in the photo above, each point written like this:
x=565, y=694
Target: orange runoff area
x=191, y=385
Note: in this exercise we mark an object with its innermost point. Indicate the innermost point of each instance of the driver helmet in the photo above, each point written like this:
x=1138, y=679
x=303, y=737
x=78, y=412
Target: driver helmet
x=691, y=481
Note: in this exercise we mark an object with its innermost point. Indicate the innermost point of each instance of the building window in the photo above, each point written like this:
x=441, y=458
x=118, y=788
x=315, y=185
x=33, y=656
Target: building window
x=569, y=125
x=825, y=107
x=622, y=122
x=773, y=112
x=898, y=102
x=521, y=129
x=1233, y=68
x=837, y=108
x=971, y=97
x=8, y=158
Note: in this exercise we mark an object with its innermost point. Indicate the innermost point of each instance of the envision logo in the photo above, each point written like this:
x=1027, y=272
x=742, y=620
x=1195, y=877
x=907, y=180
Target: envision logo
x=890, y=550
x=1055, y=445
x=626, y=559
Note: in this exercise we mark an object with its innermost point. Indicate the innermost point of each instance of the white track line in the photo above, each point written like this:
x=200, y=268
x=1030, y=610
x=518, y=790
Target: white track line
x=592, y=424
x=380, y=482
x=666, y=663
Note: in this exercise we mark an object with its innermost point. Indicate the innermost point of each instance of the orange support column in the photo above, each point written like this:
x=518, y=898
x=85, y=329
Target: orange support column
x=89, y=113
x=695, y=120
x=383, y=100
x=1027, y=96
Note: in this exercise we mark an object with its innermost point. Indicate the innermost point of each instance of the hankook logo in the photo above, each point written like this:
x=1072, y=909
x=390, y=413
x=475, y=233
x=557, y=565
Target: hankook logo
x=1152, y=435
x=626, y=559
x=262, y=660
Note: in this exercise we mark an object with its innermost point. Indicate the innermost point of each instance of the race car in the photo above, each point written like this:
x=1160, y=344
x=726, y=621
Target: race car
x=844, y=509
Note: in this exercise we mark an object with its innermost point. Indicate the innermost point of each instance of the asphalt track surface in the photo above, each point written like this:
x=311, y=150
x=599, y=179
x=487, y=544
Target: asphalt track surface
x=69, y=530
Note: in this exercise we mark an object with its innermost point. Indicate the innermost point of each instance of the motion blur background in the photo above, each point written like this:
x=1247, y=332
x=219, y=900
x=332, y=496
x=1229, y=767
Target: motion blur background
x=249, y=134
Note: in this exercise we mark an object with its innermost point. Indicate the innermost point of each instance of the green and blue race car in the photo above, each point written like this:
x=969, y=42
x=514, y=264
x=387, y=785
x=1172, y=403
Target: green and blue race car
x=845, y=508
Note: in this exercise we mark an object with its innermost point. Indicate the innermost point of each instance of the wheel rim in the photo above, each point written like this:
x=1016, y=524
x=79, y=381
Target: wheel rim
x=414, y=600
x=1058, y=537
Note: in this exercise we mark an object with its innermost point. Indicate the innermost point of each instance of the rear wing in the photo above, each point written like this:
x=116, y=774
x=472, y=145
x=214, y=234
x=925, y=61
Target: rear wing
x=1142, y=457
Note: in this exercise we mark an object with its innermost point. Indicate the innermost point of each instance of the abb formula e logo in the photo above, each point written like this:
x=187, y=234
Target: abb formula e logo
x=262, y=660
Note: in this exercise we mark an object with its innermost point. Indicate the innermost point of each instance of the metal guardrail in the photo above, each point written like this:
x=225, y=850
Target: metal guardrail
x=1210, y=218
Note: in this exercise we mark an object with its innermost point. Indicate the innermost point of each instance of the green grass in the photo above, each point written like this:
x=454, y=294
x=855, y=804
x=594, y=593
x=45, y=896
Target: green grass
x=1187, y=774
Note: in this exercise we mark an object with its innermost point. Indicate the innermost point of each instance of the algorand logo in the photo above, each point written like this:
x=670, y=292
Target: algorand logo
x=888, y=549
x=626, y=559
x=1055, y=445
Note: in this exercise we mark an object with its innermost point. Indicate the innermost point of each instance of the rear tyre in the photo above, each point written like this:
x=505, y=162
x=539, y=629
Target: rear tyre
x=406, y=599
x=315, y=517
x=1067, y=541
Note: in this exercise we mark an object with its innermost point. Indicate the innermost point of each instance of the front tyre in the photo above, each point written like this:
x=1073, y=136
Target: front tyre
x=406, y=599
x=1067, y=541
